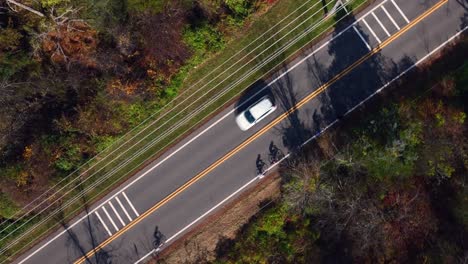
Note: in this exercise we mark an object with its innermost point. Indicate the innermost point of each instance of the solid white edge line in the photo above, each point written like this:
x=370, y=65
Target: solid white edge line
x=381, y=25
x=201, y=217
x=102, y=222
x=313, y=137
x=204, y=131
x=372, y=31
x=362, y=38
x=179, y=95
x=110, y=218
x=223, y=63
x=123, y=208
x=399, y=10
x=308, y=9
x=278, y=162
x=130, y=203
x=117, y=214
x=390, y=17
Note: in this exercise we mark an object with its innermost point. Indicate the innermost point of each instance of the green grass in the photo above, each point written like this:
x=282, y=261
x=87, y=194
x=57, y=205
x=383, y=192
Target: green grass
x=182, y=114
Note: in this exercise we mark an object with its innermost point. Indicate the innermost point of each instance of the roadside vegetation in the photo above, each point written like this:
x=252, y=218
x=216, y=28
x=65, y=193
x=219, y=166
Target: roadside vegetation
x=74, y=80
x=77, y=76
x=389, y=185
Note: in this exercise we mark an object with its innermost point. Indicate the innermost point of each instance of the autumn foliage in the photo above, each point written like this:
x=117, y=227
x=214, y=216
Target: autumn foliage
x=74, y=42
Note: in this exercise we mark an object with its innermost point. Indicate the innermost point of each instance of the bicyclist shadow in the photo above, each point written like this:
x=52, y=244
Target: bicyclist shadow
x=275, y=155
x=159, y=240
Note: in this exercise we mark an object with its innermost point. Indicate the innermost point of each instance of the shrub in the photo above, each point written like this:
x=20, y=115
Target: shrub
x=9, y=39
x=15, y=63
x=102, y=142
x=70, y=159
x=203, y=39
x=51, y=3
x=7, y=207
x=154, y=6
x=240, y=8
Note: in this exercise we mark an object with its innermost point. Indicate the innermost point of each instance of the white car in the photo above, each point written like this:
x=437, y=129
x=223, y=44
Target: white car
x=255, y=113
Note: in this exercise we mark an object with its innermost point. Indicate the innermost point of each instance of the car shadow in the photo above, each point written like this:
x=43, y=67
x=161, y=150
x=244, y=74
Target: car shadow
x=252, y=94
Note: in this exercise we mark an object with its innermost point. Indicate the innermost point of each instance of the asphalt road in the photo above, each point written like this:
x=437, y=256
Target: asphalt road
x=218, y=159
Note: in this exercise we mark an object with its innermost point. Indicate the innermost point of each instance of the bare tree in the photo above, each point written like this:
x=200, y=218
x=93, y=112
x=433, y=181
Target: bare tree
x=301, y=186
x=13, y=5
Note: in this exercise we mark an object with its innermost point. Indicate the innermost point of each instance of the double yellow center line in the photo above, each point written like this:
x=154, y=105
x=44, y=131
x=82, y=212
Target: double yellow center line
x=262, y=131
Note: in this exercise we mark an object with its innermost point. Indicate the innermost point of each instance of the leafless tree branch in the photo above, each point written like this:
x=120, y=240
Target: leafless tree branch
x=25, y=7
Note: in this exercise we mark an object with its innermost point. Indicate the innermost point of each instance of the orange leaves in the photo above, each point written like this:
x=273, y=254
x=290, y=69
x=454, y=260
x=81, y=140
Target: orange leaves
x=74, y=41
x=119, y=87
x=22, y=179
x=27, y=153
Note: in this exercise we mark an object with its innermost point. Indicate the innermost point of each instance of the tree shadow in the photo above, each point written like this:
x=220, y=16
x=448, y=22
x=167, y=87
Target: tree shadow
x=464, y=20
x=325, y=6
x=362, y=82
x=294, y=131
x=80, y=242
x=351, y=88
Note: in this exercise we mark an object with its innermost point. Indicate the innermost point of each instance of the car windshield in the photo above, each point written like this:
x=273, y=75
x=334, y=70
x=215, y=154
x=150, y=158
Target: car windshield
x=249, y=117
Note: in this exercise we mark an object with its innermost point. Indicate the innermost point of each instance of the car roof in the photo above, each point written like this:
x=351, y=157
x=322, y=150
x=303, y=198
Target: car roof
x=261, y=107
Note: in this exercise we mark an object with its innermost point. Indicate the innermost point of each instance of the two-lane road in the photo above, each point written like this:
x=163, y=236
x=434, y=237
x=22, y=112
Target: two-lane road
x=218, y=159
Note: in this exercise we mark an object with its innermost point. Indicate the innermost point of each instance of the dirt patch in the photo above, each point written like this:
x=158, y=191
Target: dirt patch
x=200, y=244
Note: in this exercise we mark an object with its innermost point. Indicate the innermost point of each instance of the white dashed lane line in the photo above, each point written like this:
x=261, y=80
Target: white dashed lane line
x=103, y=223
x=399, y=10
x=113, y=216
x=371, y=31
x=117, y=214
x=368, y=29
x=390, y=17
x=362, y=38
x=130, y=203
x=381, y=25
x=123, y=208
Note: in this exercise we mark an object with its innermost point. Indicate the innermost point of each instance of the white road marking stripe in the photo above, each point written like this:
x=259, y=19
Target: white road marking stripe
x=130, y=203
x=399, y=10
x=123, y=208
x=201, y=217
x=289, y=69
x=264, y=33
x=381, y=25
x=334, y=122
x=117, y=214
x=344, y=7
x=390, y=17
x=223, y=63
x=110, y=219
x=371, y=31
x=104, y=224
x=233, y=56
x=362, y=38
